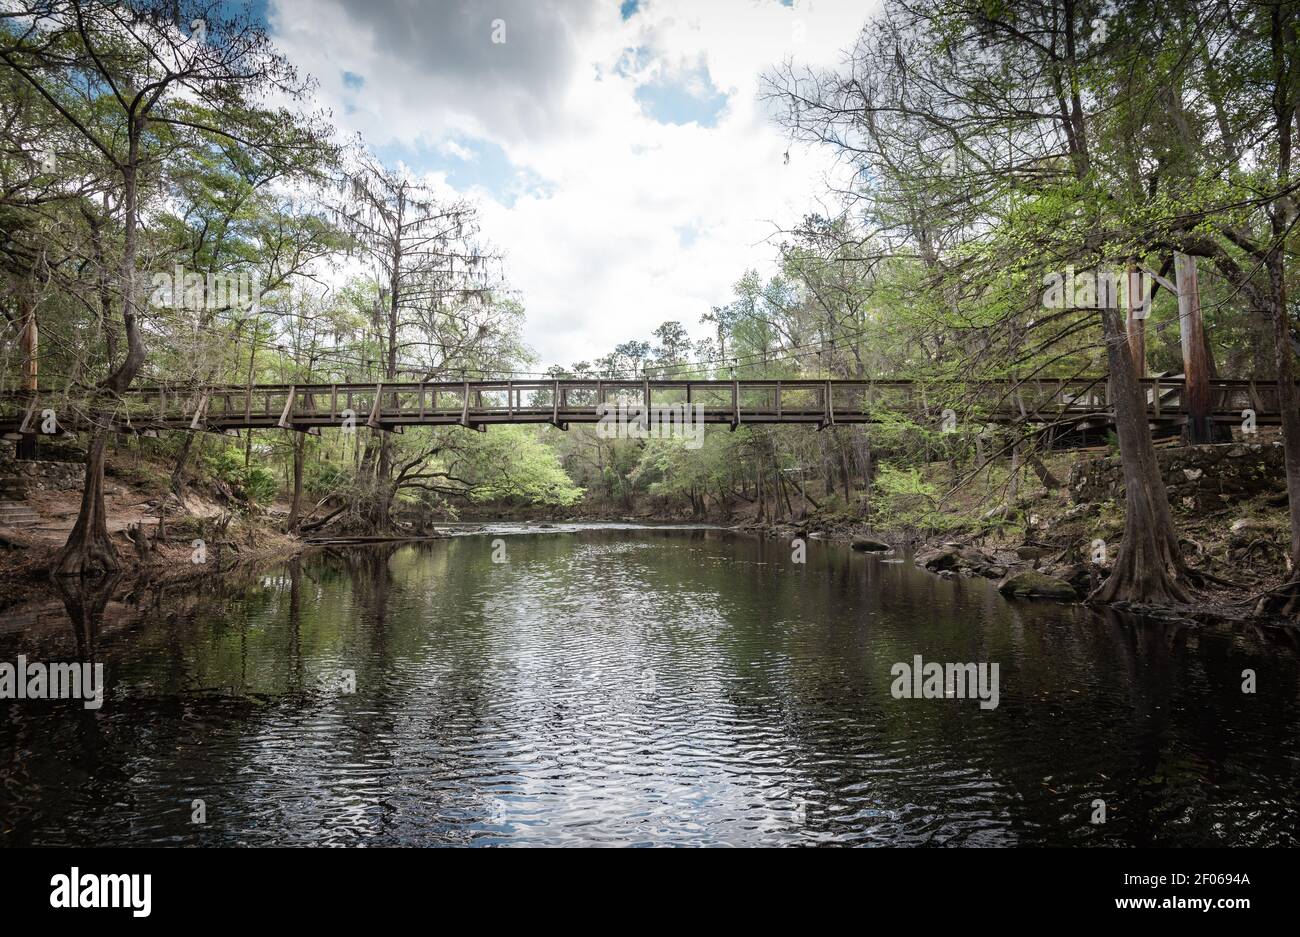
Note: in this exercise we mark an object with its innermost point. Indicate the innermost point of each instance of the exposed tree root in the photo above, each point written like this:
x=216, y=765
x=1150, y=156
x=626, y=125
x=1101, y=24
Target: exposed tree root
x=1284, y=601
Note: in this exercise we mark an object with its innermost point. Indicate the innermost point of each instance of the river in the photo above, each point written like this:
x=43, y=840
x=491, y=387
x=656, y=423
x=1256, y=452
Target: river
x=641, y=686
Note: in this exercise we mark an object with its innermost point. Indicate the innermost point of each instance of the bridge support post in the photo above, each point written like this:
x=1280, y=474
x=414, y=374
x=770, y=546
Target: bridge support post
x=200, y=412
x=286, y=415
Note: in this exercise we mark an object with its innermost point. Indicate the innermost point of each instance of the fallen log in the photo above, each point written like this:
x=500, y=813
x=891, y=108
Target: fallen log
x=317, y=525
x=363, y=541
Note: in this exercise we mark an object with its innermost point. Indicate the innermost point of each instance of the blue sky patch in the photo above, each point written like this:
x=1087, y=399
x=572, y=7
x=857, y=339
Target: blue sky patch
x=467, y=164
x=692, y=98
x=256, y=11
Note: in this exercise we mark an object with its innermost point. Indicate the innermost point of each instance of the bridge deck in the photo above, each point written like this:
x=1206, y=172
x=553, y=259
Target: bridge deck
x=1076, y=403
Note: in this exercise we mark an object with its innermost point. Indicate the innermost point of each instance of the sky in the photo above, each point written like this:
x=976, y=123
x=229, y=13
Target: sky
x=621, y=159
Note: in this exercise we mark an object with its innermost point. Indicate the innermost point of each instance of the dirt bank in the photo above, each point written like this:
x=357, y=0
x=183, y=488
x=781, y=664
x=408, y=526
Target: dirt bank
x=156, y=537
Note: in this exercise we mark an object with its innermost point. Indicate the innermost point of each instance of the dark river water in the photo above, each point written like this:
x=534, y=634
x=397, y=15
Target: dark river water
x=641, y=687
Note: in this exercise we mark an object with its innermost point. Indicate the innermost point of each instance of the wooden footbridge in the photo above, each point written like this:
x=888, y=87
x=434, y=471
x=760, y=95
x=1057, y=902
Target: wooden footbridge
x=1074, y=404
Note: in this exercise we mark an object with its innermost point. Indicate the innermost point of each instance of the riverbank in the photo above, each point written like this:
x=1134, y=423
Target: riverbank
x=1050, y=568
x=1057, y=549
x=1050, y=536
x=157, y=538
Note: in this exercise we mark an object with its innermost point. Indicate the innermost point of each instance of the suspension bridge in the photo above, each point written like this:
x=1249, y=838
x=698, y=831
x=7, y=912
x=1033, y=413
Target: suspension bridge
x=1070, y=404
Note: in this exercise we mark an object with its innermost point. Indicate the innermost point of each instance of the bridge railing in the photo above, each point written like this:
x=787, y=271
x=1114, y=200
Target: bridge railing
x=1035, y=400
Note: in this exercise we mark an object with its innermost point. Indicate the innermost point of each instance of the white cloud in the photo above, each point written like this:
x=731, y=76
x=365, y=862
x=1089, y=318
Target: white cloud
x=597, y=250
x=452, y=148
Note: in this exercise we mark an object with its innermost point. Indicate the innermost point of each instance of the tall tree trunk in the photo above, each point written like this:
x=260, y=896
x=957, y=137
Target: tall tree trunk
x=1196, y=369
x=384, y=486
x=1149, y=565
x=846, y=476
x=1286, y=94
x=868, y=469
x=252, y=363
x=1136, y=324
x=1287, y=601
x=1013, y=484
x=784, y=486
x=295, y=506
x=31, y=362
x=177, y=483
x=88, y=551
x=1288, y=399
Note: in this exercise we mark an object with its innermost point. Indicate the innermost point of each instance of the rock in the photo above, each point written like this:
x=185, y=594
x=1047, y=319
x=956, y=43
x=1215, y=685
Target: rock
x=1027, y=552
x=1076, y=574
x=16, y=539
x=1236, y=470
x=1030, y=584
x=970, y=558
x=870, y=545
x=939, y=558
x=43, y=475
x=956, y=558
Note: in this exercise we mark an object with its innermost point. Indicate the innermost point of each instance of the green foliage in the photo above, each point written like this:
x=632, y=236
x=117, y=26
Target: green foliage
x=326, y=478
x=902, y=496
x=509, y=463
x=258, y=485
x=513, y=464
x=227, y=464
x=669, y=469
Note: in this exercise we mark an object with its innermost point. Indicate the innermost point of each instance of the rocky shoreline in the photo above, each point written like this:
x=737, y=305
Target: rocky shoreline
x=1030, y=571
